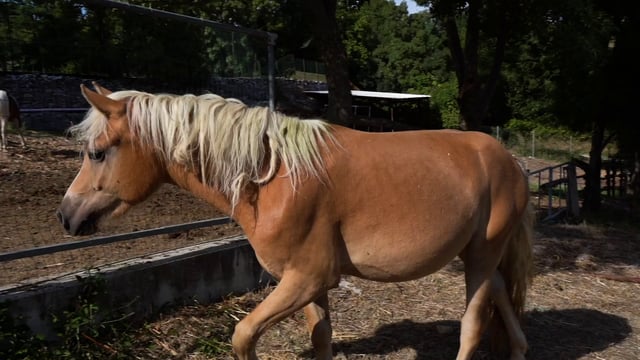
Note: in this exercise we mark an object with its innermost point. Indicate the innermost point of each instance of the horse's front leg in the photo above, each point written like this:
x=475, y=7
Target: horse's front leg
x=319, y=325
x=3, y=139
x=294, y=291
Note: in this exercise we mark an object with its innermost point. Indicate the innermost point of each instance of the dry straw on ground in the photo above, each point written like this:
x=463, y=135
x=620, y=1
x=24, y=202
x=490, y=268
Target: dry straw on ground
x=582, y=305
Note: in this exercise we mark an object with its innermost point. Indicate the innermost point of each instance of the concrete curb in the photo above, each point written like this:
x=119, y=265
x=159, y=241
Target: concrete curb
x=202, y=273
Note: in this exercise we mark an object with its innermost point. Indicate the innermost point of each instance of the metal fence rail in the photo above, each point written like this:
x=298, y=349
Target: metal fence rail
x=103, y=240
x=550, y=181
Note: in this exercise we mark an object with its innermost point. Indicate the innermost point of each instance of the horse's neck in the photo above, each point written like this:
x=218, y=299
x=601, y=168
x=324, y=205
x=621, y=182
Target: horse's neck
x=244, y=212
x=191, y=182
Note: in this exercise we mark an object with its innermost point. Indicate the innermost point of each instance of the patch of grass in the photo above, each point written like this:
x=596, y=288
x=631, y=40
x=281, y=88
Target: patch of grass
x=212, y=346
x=88, y=330
x=558, y=147
x=16, y=339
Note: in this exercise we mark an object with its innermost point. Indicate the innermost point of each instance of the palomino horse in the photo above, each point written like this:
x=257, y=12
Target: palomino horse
x=9, y=112
x=317, y=200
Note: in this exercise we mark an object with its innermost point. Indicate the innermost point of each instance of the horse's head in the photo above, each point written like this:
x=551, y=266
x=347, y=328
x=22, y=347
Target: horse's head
x=117, y=172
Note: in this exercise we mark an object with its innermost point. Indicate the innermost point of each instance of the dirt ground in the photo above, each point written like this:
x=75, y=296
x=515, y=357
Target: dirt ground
x=33, y=181
x=583, y=303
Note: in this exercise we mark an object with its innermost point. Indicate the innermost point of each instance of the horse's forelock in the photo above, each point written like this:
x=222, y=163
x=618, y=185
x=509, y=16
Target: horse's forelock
x=89, y=129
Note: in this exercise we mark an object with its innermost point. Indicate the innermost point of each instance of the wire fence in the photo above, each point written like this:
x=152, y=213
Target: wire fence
x=301, y=69
x=106, y=40
x=559, y=147
x=118, y=40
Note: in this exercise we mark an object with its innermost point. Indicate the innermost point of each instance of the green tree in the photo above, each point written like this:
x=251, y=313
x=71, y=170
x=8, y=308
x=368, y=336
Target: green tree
x=620, y=85
x=14, y=35
x=390, y=50
x=575, y=67
x=33, y=35
x=478, y=32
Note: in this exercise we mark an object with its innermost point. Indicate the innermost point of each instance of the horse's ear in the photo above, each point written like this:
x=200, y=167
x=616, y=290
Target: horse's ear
x=102, y=103
x=100, y=89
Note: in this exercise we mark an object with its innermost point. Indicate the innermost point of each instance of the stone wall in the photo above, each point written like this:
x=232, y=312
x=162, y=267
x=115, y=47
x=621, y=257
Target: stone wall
x=60, y=93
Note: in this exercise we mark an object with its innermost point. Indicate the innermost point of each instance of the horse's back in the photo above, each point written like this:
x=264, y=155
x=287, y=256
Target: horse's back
x=415, y=197
x=430, y=164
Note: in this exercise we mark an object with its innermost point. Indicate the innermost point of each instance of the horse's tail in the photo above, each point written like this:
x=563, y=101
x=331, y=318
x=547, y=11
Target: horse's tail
x=14, y=111
x=516, y=268
x=517, y=265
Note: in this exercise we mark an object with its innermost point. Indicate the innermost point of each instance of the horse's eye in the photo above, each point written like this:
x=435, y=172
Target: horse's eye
x=96, y=155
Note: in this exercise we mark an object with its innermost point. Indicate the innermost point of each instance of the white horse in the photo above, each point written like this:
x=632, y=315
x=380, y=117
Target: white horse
x=9, y=112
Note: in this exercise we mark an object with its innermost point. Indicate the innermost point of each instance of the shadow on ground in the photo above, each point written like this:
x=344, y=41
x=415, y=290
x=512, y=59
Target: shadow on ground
x=567, y=247
x=556, y=334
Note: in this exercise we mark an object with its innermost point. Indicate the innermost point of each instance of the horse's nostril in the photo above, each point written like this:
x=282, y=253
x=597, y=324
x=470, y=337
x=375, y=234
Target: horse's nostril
x=62, y=220
x=87, y=227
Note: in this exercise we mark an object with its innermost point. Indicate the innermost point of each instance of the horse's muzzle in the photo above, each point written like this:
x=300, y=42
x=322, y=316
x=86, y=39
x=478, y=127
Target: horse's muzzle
x=86, y=226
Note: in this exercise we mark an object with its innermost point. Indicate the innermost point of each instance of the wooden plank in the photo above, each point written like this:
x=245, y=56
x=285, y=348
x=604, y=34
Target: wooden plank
x=572, y=197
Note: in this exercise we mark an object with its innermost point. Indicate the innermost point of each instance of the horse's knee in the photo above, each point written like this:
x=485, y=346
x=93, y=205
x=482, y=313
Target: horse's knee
x=244, y=341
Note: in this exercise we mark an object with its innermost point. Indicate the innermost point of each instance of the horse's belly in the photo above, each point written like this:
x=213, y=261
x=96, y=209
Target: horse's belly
x=385, y=246
x=395, y=259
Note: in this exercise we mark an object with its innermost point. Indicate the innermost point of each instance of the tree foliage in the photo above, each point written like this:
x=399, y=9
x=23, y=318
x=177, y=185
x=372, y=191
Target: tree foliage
x=86, y=38
x=568, y=63
x=574, y=67
x=478, y=33
x=390, y=50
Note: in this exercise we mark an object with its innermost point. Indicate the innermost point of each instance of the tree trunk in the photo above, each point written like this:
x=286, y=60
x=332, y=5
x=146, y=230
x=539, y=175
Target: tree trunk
x=635, y=185
x=325, y=29
x=474, y=96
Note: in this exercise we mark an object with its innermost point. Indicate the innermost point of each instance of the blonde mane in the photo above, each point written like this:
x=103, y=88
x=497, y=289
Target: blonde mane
x=224, y=140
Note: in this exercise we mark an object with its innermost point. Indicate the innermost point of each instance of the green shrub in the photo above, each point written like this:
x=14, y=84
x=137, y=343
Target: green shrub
x=87, y=330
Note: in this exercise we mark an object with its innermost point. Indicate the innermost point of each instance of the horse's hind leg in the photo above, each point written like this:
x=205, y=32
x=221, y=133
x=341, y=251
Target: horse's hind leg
x=484, y=282
x=476, y=316
x=319, y=325
x=292, y=293
x=481, y=258
x=20, y=133
x=511, y=322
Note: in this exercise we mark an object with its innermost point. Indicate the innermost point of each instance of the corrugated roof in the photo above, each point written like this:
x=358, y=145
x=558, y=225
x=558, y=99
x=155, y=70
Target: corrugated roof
x=377, y=94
